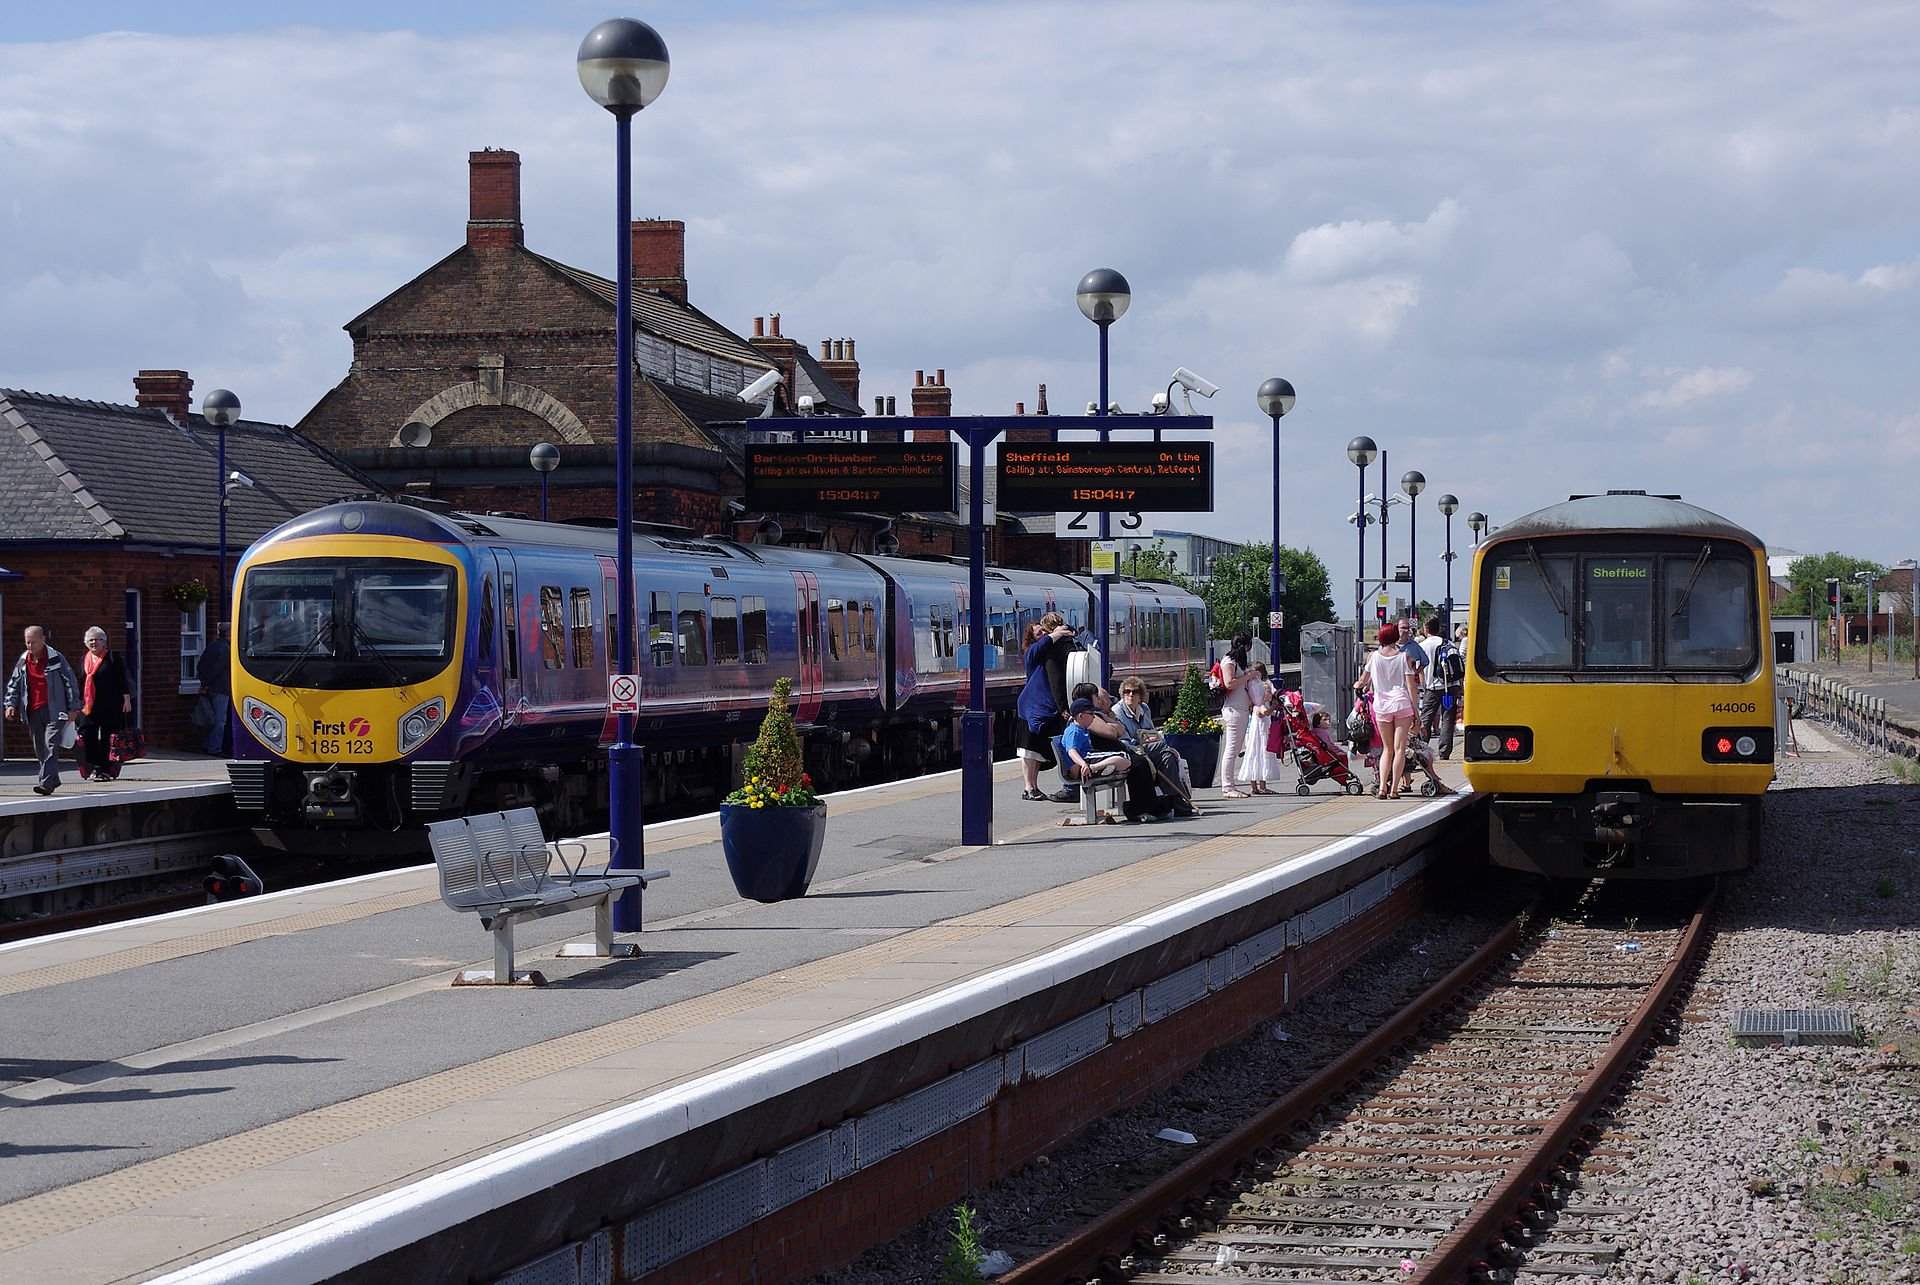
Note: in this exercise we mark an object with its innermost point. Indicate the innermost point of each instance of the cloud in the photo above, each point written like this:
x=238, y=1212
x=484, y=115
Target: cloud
x=1684, y=387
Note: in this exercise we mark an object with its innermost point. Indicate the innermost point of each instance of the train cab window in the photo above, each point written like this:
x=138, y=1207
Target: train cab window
x=693, y=629
x=866, y=628
x=753, y=618
x=483, y=648
x=1529, y=612
x=1708, y=615
x=553, y=629
x=660, y=630
x=726, y=631
x=1616, y=613
x=580, y=627
x=836, y=629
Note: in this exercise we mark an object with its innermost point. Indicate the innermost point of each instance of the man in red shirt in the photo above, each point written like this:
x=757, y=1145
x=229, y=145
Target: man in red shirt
x=42, y=694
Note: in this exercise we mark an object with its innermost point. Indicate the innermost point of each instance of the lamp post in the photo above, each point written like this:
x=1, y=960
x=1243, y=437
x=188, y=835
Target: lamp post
x=1361, y=450
x=1275, y=399
x=623, y=66
x=221, y=409
x=1866, y=578
x=1448, y=506
x=1413, y=481
x=1477, y=523
x=1103, y=296
x=544, y=458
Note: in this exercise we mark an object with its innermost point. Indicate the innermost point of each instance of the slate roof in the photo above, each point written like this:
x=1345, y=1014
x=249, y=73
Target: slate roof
x=823, y=388
x=84, y=470
x=670, y=319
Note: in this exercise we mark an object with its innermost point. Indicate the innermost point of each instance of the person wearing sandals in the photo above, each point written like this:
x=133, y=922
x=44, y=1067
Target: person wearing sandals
x=106, y=699
x=1043, y=700
x=1261, y=765
x=1236, y=711
x=1394, y=701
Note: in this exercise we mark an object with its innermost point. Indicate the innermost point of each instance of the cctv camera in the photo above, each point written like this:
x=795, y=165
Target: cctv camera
x=1193, y=383
x=237, y=478
x=760, y=387
x=1159, y=403
x=806, y=405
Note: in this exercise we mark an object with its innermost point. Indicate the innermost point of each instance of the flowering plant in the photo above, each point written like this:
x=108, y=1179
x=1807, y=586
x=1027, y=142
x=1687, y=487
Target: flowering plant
x=774, y=773
x=187, y=593
x=1191, y=715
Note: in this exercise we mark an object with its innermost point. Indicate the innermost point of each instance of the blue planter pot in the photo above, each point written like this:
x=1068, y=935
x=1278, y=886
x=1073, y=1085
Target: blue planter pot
x=1202, y=754
x=772, y=852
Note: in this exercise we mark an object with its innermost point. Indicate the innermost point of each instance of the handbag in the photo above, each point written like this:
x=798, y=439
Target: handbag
x=202, y=719
x=69, y=734
x=129, y=745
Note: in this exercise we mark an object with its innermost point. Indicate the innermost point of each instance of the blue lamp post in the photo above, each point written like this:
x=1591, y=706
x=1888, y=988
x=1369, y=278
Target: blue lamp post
x=1276, y=399
x=623, y=66
x=1361, y=450
x=1448, y=506
x=1413, y=481
x=544, y=458
x=221, y=409
x=1103, y=295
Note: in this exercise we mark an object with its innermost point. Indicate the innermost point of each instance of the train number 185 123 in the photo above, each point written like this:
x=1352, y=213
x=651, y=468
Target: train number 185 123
x=1734, y=707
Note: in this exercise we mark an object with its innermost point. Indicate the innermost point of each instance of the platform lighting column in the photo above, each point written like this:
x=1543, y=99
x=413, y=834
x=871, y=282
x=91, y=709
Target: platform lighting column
x=1275, y=399
x=623, y=66
x=544, y=458
x=1448, y=506
x=1477, y=523
x=1866, y=578
x=1413, y=481
x=221, y=409
x=1361, y=450
x=1103, y=296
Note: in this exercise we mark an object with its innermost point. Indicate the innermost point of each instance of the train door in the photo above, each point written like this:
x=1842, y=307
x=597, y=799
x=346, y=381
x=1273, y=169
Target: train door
x=130, y=651
x=610, y=613
x=513, y=696
x=807, y=625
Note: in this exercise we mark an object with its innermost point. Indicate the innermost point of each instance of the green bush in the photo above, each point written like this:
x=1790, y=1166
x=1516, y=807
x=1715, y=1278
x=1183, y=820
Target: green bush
x=1192, y=713
x=774, y=774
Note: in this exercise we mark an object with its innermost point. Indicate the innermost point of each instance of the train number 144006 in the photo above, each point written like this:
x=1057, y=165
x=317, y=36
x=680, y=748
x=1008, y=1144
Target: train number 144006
x=1734, y=707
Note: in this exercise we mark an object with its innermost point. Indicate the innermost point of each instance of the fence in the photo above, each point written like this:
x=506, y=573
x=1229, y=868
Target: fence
x=1849, y=711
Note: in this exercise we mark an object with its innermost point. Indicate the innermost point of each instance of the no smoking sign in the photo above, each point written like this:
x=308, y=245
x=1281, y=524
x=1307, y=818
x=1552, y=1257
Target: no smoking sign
x=623, y=693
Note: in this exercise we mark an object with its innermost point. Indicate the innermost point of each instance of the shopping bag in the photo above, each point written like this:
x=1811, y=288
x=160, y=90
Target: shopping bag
x=129, y=745
x=69, y=734
x=202, y=717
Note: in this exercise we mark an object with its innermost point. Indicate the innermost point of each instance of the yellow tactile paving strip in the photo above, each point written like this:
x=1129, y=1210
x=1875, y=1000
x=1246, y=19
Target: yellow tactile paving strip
x=143, y=1186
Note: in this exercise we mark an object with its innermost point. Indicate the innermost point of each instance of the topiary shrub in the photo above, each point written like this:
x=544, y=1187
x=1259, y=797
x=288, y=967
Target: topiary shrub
x=1192, y=710
x=774, y=773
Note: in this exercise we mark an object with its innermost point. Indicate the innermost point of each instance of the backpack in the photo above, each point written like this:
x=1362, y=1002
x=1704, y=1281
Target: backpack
x=1452, y=666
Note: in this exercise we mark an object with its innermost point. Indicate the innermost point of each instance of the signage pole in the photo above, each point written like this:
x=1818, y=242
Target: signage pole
x=1106, y=533
x=976, y=735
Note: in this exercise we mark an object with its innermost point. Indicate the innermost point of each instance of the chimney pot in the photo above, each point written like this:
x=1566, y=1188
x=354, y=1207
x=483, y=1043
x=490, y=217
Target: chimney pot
x=940, y=377
x=850, y=356
x=879, y=405
x=891, y=404
x=826, y=350
x=1041, y=408
x=759, y=327
x=493, y=200
x=919, y=378
x=1019, y=408
x=773, y=320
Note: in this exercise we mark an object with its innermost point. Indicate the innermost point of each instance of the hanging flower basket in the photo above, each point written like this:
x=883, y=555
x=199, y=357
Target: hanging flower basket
x=773, y=827
x=187, y=594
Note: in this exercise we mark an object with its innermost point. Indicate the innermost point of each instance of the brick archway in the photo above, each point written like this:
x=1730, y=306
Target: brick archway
x=523, y=396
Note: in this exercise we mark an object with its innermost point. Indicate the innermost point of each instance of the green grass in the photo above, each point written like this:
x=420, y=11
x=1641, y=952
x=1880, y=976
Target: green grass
x=1836, y=982
x=1905, y=769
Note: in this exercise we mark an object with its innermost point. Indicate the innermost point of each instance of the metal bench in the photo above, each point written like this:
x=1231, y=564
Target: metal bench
x=1100, y=795
x=500, y=866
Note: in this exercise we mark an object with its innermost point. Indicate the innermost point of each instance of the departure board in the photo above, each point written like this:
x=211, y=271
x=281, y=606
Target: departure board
x=841, y=477
x=1106, y=477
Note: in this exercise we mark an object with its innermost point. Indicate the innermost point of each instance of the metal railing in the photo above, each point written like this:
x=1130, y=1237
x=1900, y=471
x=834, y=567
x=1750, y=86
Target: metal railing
x=1856, y=715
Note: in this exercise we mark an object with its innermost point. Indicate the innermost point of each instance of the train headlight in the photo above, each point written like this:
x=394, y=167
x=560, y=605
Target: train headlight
x=1737, y=745
x=1499, y=744
x=1746, y=746
x=267, y=724
x=420, y=722
x=1489, y=745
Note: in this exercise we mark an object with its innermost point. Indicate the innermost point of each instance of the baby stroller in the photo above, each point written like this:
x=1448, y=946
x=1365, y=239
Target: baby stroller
x=1364, y=731
x=1317, y=760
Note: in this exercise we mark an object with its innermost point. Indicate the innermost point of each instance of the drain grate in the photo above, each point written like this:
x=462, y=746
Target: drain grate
x=1795, y=1025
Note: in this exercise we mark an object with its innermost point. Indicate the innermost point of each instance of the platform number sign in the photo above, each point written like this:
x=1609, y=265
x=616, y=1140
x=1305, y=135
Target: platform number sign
x=623, y=693
x=1086, y=526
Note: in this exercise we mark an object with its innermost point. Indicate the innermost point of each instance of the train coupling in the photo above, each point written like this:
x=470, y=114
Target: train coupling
x=331, y=797
x=1619, y=816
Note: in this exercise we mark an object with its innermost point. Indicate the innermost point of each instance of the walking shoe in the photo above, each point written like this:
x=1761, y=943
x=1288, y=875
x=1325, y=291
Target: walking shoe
x=43, y=789
x=1066, y=794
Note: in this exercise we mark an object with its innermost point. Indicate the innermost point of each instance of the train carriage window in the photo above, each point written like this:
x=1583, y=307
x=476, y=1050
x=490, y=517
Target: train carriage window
x=693, y=629
x=753, y=617
x=836, y=629
x=726, y=631
x=1616, y=613
x=946, y=630
x=866, y=629
x=660, y=629
x=1529, y=611
x=483, y=649
x=1708, y=617
x=580, y=627
x=553, y=629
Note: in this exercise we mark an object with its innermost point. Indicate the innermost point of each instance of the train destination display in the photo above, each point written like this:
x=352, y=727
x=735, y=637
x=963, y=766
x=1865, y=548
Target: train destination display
x=833, y=477
x=1111, y=477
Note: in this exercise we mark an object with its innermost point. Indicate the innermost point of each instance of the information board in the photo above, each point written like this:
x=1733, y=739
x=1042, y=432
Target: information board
x=1107, y=477
x=838, y=477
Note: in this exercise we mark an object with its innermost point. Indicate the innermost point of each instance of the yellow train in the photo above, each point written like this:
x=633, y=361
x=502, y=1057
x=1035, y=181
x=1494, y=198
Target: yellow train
x=1619, y=689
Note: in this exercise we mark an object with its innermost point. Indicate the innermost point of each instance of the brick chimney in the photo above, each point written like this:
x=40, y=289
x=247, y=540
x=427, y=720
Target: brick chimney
x=784, y=353
x=170, y=390
x=660, y=257
x=931, y=397
x=493, y=200
x=837, y=359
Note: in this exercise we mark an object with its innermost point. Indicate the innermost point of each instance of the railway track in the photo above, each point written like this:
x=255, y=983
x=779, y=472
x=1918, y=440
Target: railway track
x=1447, y=1146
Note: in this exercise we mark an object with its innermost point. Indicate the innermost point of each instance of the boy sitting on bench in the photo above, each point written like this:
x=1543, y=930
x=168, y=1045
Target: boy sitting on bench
x=1077, y=740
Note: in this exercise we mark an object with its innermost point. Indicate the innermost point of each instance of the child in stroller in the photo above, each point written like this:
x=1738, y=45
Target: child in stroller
x=1419, y=754
x=1297, y=732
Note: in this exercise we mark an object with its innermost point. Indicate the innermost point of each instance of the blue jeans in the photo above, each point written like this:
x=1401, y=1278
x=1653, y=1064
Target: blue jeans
x=216, y=742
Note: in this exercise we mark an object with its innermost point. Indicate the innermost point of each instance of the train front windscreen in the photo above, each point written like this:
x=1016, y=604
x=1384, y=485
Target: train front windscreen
x=381, y=622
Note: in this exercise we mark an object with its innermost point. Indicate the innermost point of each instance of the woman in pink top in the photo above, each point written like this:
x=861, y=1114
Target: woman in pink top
x=1394, y=702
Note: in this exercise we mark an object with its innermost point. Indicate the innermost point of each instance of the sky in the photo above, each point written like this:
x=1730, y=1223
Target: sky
x=1532, y=248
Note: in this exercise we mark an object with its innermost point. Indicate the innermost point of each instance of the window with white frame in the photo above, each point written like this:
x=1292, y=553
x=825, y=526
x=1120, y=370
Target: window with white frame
x=193, y=641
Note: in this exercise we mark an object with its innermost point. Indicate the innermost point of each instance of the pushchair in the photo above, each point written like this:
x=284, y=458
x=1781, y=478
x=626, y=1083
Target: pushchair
x=1364, y=731
x=1317, y=760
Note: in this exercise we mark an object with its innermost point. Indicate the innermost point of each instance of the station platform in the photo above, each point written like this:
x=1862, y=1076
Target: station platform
x=164, y=773
x=289, y=1088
